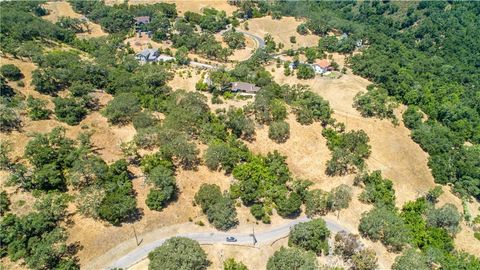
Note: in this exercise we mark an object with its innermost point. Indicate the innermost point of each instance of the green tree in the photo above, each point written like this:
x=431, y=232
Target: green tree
x=181, y=56
x=122, y=108
x=341, y=197
x=375, y=103
x=378, y=191
x=385, y=225
x=317, y=202
x=446, y=217
x=305, y=72
x=292, y=258
x=312, y=235
x=346, y=245
x=220, y=209
x=234, y=40
x=178, y=253
x=412, y=117
x=69, y=110
x=9, y=119
x=11, y=72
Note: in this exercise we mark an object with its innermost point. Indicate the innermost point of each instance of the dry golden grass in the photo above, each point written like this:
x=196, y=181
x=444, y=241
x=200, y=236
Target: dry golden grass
x=58, y=9
x=281, y=31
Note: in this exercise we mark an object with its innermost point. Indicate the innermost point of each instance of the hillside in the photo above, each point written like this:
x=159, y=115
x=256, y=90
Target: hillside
x=101, y=149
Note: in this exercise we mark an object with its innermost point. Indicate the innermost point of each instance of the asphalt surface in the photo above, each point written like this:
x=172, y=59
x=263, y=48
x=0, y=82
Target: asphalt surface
x=215, y=237
x=260, y=42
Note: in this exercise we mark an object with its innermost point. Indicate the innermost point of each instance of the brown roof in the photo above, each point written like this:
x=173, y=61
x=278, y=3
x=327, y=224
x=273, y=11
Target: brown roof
x=323, y=63
x=245, y=87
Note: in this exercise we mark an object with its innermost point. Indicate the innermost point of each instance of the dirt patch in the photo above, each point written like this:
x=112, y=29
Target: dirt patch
x=281, y=31
x=59, y=9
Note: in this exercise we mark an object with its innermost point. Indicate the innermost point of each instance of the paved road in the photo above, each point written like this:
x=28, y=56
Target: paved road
x=260, y=42
x=216, y=237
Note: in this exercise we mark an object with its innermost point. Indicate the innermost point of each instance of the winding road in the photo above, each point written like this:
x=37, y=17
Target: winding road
x=260, y=42
x=215, y=237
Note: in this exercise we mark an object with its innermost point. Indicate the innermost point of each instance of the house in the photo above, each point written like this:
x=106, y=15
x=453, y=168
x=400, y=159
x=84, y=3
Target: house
x=244, y=88
x=322, y=66
x=148, y=55
x=142, y=20
x=165, y=58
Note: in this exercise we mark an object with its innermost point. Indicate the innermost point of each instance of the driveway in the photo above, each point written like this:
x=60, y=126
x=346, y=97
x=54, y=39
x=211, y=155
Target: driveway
x=215, y=237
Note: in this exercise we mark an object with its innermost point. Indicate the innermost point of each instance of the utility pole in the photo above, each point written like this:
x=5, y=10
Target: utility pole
x=253, y=235
x=136, y=238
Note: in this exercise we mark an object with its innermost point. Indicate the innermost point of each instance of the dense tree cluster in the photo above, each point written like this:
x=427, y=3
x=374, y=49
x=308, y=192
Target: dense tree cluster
x=349, y=150
x=375, y=103
x=38, y=237
x=160, y=173
x=292, y=258
x=178, y=253
x=220, y=208
x=234, y=40
x=378, y=191
x=312, y=235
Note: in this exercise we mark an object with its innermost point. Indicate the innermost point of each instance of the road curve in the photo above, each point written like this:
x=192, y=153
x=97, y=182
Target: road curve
x=215, y=237
x=260, y=42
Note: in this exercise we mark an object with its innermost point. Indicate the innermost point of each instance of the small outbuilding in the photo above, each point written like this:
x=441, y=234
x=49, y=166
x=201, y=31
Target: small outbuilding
x=244, y=88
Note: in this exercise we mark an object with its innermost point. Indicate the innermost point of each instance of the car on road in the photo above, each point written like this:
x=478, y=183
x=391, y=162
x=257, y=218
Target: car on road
x=231, y=239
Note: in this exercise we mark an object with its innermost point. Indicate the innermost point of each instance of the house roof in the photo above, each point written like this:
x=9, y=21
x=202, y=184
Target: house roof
x=245, y=87
x=323, y=63
x=148, y=53
x=142, y=19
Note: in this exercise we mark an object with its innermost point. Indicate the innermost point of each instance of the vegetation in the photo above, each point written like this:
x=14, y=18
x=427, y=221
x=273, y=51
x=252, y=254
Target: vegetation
x=279, y=131
x=378, y=191
x=163, y=180
x=305, y=72
x=11, y=72
x=312, y=235
x=220, y=209
x=231, y=264
x=122, y=108
x=292, y=258
x=178, y=253
x=375, y=103
x=36, y=109
x=234, y=40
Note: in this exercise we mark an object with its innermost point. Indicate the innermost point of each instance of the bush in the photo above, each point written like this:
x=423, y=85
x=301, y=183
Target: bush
x=178, y=253
x=37, y=109
x=257, y=211
x=11, y=72
x=289, y=205
x=317, y=202
x=279, y=131
x=144, y=120
x=365, y=259
x=292, y=258
x=231, y=264
x=346, y=245
x=411, y=259
x=4, y=203
x=69, y=110
x=311, y=236
x=234, y=40
x=122, y=108
x=341, y=197
x=446, y=217
x=9, y=119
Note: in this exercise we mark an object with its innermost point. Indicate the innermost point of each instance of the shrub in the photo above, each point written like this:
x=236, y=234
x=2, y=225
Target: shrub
x=9, y=119
x=341, y=197
x=279, y=131
x=411, y=259
x=11, y=72
x=312, y=235
x=365, y=259
x=231, y=264
x=178, y=253
x=317, y=202
x=143, y=120
x=446, y=217
x=4, y=203
x=346, y=245
x=37, y=109
x=220, y=209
